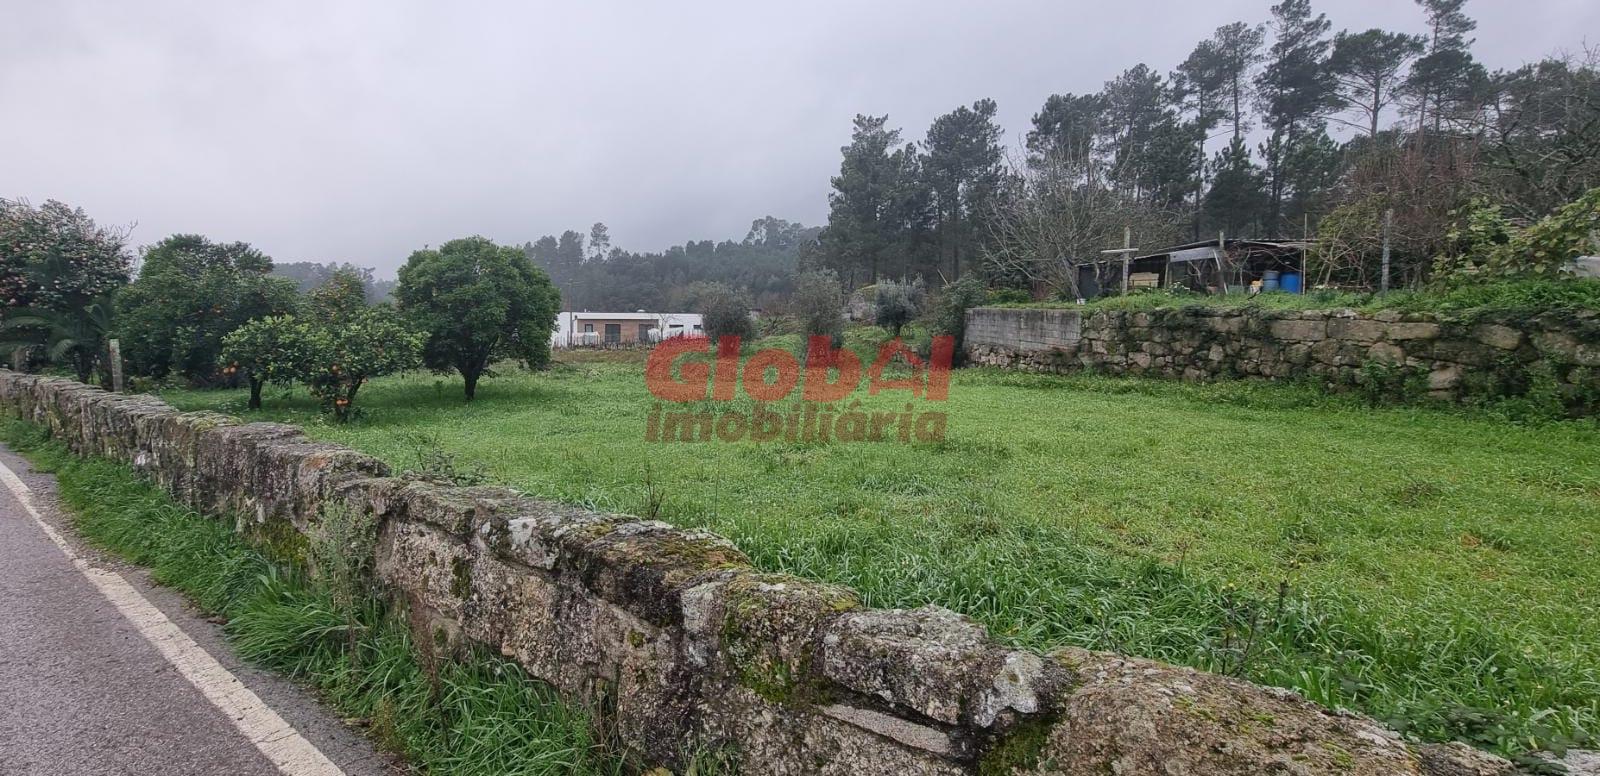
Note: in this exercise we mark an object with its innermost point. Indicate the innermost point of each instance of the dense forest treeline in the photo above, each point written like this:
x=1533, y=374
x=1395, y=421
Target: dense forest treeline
x=594, y=275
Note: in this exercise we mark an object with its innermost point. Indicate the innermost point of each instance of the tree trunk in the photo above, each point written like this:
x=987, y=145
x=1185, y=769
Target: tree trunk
x=255, y=392
x=1377, y=107
x=472, y=383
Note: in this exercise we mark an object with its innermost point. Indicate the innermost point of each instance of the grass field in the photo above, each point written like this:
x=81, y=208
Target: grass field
x=1436, y=569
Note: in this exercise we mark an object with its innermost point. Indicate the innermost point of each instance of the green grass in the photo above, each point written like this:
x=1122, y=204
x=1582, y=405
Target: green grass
x=1435, y=569
x=481, y=716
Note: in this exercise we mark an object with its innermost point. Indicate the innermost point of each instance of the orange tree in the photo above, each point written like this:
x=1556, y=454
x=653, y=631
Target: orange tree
x=477, y=302
x=341, y=355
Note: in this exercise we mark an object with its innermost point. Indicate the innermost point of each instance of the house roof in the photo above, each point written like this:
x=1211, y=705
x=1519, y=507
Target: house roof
x=629, y=316
x=1271, y=245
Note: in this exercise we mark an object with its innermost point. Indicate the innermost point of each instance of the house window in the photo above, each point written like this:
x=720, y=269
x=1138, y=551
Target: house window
x=644, y=332
x=613, y=333
x=588, y=328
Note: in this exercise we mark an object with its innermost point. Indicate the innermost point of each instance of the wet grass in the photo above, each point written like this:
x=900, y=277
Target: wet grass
x=481, y=717
x=1435, y=569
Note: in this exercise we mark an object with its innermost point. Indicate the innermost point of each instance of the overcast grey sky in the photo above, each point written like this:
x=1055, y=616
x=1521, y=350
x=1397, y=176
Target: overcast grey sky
x=358, y=131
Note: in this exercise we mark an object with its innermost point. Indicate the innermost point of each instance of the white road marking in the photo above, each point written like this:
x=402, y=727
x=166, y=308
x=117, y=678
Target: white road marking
x=277, y=739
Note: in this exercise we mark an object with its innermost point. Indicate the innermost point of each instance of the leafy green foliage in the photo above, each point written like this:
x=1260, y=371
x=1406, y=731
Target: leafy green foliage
x=1367, y=67
x=190, y=293
x=55, y=258
x=76, y=338
x=343, y=354
x=1491, y=246
x=338, y=298
x=476, y=302
x=879, y=205
x=274, y=349
x=950, y=309
x=58, y=273
x=333, y=357
x=762, y=265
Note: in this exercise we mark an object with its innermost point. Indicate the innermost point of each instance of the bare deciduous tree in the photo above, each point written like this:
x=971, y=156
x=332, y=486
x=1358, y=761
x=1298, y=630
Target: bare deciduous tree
x=1058, y=216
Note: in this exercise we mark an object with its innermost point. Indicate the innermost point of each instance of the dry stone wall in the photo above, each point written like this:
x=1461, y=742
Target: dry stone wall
x=1341, y=348
x=681, y=645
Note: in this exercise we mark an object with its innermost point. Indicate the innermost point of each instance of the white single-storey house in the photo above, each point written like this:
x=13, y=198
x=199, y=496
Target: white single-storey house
x=586, y=329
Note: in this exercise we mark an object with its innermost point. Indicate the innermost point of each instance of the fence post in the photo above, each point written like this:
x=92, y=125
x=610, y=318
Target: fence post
x=1388, y=224
x=115, y=348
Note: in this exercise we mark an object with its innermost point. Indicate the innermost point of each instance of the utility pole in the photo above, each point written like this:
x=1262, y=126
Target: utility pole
x=1388, y=225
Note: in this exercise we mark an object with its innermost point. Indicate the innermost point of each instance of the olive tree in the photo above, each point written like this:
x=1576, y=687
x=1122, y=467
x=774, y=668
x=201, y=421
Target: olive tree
x=818, y=304
x=896, y=304
x=476, y=301
x=724, y=311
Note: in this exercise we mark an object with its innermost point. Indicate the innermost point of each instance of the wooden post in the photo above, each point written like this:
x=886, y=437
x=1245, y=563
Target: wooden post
x=1222, y=261
x=114, y=349
x=1127, y=256
x=1388, y=224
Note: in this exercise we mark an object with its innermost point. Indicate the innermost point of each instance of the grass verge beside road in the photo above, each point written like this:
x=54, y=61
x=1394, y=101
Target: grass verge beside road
x=482, y=717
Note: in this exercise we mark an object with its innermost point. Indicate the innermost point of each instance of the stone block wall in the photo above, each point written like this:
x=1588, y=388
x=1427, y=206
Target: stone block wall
x=1450, y=359
x=683, y=646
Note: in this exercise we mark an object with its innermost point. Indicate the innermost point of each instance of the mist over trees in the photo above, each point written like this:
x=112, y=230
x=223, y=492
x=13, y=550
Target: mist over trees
x=594, y=275
x=309, y=275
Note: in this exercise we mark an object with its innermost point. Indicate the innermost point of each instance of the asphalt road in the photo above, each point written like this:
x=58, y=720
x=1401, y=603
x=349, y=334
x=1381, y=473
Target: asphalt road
x=103, y=672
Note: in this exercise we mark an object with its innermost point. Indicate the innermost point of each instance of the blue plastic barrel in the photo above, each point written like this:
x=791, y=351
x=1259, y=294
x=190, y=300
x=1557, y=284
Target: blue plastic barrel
x=1290, y=282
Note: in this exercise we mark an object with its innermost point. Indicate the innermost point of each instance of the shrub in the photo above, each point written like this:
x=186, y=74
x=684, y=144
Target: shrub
x=477, y=301
x=950, y=312
x=1492, y=247
x=1009, y=296
x=724, y=312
